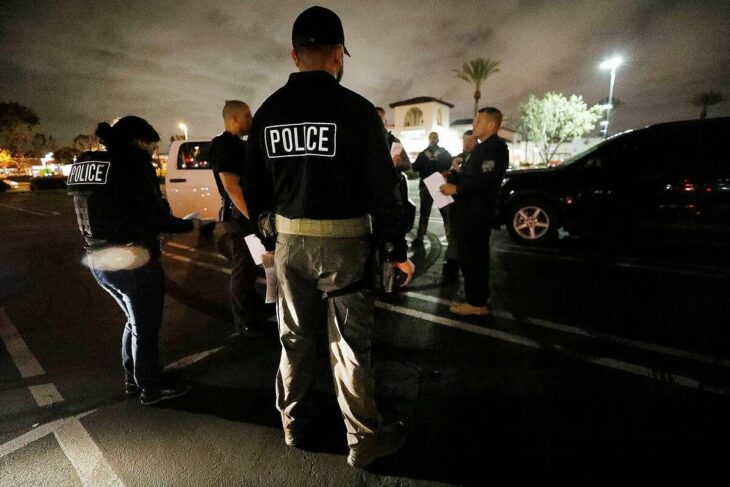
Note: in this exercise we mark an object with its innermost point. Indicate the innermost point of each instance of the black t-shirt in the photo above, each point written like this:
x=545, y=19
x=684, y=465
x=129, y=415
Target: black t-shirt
x=227, y=154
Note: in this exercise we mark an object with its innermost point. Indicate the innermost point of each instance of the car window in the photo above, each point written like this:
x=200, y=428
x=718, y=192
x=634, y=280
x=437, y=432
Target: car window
x=581, y=158
x=651, y=153
x=714, y=158
x=193, y=155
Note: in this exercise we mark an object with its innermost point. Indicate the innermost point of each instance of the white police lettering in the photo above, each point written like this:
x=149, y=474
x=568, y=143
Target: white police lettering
x=301, y=139
x=88, y=172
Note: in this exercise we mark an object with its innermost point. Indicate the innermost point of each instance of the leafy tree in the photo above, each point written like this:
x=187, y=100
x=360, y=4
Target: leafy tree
x=41, y=144
x=17, y=124
x=707, y=99
x=84, y=142
x=5, y=157
x=65, y=155
x=475, y=72
x=553, y=119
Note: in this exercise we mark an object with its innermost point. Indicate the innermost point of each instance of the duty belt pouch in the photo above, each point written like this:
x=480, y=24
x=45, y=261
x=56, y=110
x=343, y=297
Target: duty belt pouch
x=267, y=229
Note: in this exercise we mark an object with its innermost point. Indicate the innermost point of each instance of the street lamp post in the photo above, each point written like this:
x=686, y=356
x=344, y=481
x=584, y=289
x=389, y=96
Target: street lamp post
x=184, y=128
x=611, y=64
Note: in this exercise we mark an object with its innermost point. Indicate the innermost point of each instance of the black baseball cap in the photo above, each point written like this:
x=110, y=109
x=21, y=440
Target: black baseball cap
x=317, y=25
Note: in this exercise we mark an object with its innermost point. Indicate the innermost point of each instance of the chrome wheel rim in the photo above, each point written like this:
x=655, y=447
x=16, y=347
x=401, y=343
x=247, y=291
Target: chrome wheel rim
x=531, y=222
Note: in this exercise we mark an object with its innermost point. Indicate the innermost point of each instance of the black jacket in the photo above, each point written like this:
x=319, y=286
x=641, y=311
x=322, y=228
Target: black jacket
x=480, y=179
x=118, y=200
x=430, y=160
x=316, y=150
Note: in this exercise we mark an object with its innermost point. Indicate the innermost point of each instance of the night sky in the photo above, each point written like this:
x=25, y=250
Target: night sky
x=77, y=62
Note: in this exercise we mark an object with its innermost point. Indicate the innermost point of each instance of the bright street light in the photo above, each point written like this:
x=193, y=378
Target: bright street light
x=184, y=128
x=611, y=64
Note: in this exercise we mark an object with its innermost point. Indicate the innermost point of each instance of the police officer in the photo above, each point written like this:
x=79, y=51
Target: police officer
x=227, y=157
x=450, y=273
x=402, y=163
x=317, y=158
x=432, y=159
x=120, y=212
x=477, y=188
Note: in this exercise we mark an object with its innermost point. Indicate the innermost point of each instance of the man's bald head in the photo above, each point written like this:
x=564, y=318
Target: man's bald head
x=232, y=107
x=237, y=117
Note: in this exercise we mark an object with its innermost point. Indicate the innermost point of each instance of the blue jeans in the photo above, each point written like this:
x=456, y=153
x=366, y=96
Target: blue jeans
x=141, y=294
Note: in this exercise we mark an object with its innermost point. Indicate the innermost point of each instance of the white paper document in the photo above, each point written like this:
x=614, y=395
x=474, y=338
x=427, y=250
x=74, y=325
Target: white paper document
x=255, y=247
x=272, y=285
x=433, y=183
x=396, y=149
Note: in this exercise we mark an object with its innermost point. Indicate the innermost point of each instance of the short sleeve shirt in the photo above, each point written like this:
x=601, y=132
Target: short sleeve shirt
x=227, y=154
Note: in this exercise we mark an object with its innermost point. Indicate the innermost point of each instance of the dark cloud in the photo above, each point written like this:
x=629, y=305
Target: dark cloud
x=77, y=62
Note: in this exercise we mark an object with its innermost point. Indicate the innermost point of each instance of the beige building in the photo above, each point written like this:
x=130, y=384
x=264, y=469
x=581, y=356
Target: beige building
x=415, y=118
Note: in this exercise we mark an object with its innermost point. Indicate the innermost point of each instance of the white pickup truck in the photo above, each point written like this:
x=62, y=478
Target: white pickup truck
x=189, y=183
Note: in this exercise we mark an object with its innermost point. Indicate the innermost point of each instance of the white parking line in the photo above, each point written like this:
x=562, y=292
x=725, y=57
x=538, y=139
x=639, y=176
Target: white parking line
x=24, y=360
x=695, y=270
x=520, y=340
x=45, y=394
x=611, y=363
x=191, y=359
x=651, y=347
x=197, y=251
x=36, y=434
x=480, y=330
x=196, y=263
x=33, y=212
x=85, y=455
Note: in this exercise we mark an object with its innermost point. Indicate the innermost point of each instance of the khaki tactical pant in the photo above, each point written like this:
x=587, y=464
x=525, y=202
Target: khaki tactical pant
x=319, y=290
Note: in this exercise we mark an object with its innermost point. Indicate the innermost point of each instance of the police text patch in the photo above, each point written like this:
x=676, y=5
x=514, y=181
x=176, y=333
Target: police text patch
x=488, y=166
x=88, y=172
x=301, y=139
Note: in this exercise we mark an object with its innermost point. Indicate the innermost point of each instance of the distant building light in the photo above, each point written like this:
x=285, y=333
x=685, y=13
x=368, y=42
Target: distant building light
x=412, y=134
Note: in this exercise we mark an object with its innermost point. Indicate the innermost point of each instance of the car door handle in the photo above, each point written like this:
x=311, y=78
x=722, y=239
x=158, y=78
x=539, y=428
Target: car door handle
x=178, y=180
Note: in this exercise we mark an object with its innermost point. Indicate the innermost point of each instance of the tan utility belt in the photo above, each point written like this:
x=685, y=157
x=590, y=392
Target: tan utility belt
x=350, y=227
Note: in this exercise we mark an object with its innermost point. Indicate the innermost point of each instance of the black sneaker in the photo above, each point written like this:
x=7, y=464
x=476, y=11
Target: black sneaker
x=153, y=396
x=131, y=389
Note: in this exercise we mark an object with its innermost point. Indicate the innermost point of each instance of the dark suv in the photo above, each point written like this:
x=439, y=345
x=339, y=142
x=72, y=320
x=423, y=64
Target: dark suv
x=665, y=178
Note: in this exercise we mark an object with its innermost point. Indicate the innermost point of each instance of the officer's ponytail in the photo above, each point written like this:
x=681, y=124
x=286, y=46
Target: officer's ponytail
x=123, y=133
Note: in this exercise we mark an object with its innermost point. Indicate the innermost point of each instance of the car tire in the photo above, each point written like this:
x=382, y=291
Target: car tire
x=532, y=222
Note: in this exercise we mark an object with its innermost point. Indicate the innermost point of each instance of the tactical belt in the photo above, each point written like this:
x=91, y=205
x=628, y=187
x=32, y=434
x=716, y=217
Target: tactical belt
x=350, y=227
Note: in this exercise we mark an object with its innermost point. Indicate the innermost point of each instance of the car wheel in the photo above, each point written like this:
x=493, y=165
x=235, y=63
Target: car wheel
x=532, y=222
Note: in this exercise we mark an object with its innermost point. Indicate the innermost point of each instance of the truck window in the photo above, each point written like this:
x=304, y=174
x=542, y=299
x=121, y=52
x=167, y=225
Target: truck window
x=193, y=155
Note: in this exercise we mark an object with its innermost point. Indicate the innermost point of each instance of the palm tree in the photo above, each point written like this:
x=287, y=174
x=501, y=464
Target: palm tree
x=707, y=99
x=475, y=72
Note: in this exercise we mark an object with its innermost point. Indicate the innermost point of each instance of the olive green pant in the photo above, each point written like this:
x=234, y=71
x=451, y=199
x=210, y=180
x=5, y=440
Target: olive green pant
x=320, y=292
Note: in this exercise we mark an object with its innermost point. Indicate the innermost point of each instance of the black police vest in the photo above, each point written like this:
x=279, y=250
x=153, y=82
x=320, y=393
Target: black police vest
x=101, y=187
